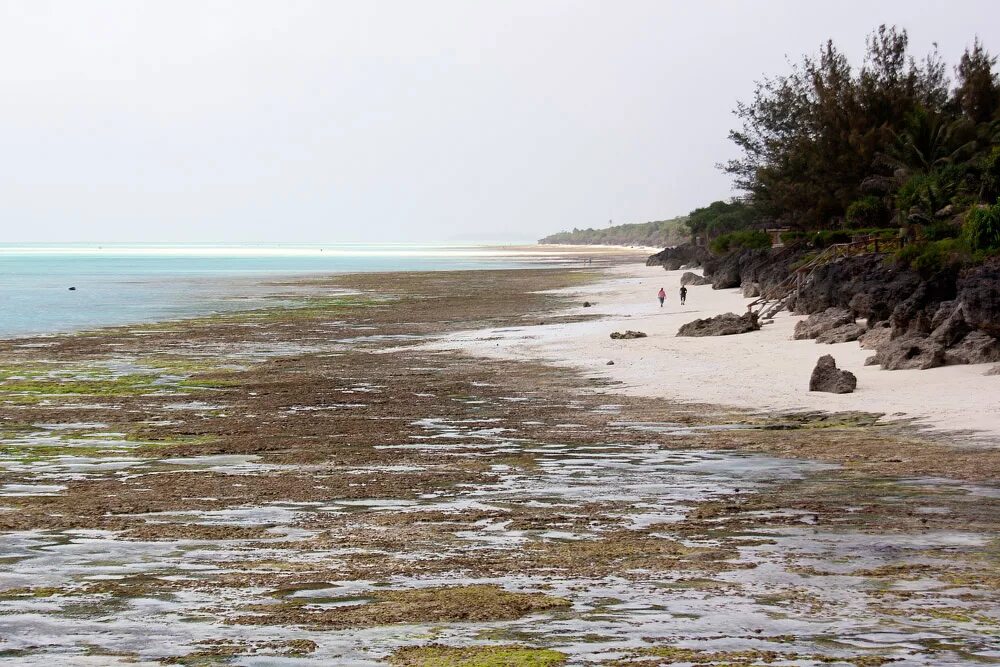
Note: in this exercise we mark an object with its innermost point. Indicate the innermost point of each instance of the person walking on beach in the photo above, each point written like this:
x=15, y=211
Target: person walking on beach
x=684, y=294
x=661, y=295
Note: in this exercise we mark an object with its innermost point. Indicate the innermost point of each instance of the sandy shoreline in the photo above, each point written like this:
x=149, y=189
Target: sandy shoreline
x=765, y=370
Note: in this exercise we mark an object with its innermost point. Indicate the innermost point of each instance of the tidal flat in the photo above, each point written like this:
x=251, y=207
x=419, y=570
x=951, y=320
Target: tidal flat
x=298, y=485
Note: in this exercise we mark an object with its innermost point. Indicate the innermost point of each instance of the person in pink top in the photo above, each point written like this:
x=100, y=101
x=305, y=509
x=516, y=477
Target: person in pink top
x=661, y=295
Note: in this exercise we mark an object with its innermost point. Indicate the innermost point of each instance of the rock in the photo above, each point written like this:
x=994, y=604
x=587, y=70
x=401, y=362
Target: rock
x=993, y=371
x=587, y=304
x=827, y=377
x=876, y=334
x=845, y=333
x=979, y=294
x=948, y=325
x=726, y=324
x=817, y=323
x=766, y=266
x=611, y=363
x=976, y=348
x=72, y=289
x=945, y=212
x=751, y=290
x=694, y=279
x=910, y=351
x=628, y=335
x=686, y=254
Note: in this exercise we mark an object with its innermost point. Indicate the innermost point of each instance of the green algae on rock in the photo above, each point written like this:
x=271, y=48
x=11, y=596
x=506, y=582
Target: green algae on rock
x=437, y=655
x=480, y=602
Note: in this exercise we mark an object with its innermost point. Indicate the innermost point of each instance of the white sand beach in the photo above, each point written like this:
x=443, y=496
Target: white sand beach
x=765, y=370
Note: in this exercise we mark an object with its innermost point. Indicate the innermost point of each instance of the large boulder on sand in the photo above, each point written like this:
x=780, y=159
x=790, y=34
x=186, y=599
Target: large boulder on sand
x=845, y=333
x=827, y=377
x=912, y=350
x=690, y=278
x=817, y=323
x=726, y=324
x=750, y=290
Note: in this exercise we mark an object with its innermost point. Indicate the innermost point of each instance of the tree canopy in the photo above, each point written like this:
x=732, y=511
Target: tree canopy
x=659, y=233
x=891, y=138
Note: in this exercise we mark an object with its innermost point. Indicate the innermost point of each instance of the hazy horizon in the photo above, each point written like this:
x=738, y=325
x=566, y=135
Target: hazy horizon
x=393, y=122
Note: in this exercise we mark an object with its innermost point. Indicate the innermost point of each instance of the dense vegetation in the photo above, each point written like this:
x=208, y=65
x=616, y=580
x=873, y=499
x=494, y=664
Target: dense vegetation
x=660, y=233
x=830, y=151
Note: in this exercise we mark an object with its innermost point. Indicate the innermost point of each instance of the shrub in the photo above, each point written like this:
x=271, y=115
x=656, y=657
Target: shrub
x=930, y=257
x=929, y=192
x=937, y=231
x=867, y=212
x=982, y=228
x=736, y=240
x=990, y=166
x=794, y=238
x=828, y=237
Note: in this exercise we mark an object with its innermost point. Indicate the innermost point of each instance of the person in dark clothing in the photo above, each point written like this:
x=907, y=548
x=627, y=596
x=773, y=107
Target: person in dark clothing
x=684, y=294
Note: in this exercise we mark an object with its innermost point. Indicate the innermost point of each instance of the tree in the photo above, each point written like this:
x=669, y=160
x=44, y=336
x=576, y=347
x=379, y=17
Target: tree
x=978, y=91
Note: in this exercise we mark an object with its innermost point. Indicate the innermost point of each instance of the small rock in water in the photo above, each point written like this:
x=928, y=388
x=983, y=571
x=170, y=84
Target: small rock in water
x=587, y=304
x=628, y=335
x=611, y=363
x=72, y=289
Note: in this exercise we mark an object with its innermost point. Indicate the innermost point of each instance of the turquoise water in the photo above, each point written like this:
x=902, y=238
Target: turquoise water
x=121, y=284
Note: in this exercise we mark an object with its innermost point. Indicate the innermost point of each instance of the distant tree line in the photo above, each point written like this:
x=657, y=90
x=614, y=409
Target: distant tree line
x=896, y=144
x=659, y=233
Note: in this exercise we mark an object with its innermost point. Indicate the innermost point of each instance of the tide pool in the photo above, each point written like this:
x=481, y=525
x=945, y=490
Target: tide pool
x=121, y=284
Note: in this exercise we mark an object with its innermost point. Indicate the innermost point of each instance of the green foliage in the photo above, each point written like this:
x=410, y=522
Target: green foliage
x=990, y=175
x=982, y=228
x=720, y=217
x=661, y=233
x=737, y=240
x=828, y=237
x=867, y=212
x=927, y=193
x=930, y=257
x=938, y=231
x=828, y=141
x=794, y=238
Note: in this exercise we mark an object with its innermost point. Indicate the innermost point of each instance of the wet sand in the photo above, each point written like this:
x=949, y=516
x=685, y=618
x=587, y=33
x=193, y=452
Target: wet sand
x=310, y=484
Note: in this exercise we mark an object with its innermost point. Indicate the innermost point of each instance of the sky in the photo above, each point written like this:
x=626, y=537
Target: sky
x=386, y=121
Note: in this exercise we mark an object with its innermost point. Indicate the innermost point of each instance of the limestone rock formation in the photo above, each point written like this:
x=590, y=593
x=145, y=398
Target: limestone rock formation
x=875, y=335
x=690, y=278
x=827, y=377
x=726, y=324
x=975, y=348
x=912, y=350
x=845, y=333
x=818, y=323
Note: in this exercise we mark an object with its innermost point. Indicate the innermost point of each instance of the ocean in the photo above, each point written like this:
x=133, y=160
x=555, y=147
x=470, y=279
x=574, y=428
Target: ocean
x=122, y=284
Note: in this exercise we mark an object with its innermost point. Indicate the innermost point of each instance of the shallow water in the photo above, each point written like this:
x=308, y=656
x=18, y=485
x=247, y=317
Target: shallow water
x=769, y=607
x=121, y=284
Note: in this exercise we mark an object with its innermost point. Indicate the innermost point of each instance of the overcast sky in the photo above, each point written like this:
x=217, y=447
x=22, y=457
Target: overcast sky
x=393, y=121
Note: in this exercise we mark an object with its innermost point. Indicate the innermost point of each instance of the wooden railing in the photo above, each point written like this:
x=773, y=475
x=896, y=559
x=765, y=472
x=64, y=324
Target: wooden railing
x=774, y=299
